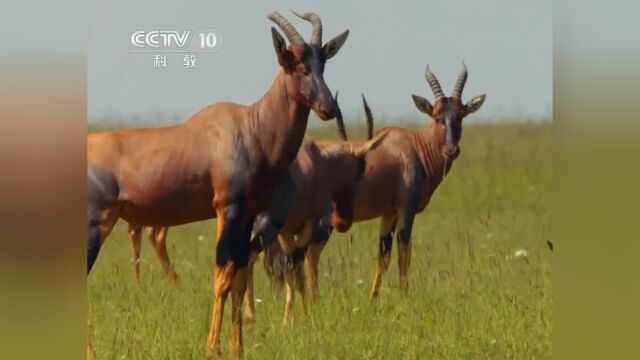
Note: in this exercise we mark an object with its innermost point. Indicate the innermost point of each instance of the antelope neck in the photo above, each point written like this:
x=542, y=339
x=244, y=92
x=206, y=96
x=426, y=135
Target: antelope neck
x=279, y=122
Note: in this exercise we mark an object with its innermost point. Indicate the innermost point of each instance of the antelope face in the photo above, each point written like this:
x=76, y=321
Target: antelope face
x=312, y=89
x=342, y=216
x=304, y=63
x=448, y=112
x=342, y=198
x=346, y=177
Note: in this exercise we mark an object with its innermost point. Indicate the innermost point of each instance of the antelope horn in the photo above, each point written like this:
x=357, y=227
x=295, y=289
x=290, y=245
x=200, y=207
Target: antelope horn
x=433, y=82
x=370, y=145
x=288, y=29
x=462, y=79
x=369, y=116
x=314, y=19
x=342, y=132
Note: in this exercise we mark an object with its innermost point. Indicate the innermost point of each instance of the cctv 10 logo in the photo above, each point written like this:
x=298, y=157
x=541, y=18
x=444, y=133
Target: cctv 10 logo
x=205, y=40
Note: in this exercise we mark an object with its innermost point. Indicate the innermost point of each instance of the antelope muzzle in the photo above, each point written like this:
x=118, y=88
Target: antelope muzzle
x=325, y=105
x=342, y=224
x=451, y=151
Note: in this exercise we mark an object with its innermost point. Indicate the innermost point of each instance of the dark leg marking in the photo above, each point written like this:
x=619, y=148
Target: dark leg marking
x=322, y=232
x=406, y=216
x=231, y=246
x=387, y=227
x=385, y=244
x=93, y=244
x=102, y=193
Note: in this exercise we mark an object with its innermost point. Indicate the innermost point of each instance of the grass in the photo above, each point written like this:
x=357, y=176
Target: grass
x=469, y=297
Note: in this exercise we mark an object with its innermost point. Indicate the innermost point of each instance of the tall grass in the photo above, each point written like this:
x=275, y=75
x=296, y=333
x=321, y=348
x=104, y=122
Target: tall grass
x=469, y=297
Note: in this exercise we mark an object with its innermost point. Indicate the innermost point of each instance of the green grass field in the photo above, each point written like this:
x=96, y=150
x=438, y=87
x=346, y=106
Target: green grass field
x=469, y=296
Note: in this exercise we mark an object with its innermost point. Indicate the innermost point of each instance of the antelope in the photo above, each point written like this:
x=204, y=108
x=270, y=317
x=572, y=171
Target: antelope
x=324, y=175
x=275, y=261
x=224, y=162
x=401, y=176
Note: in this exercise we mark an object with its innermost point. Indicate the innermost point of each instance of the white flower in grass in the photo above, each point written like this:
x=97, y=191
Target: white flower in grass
x=258, y=301
x=360, y=281
x=521, y=253
x=200, y=238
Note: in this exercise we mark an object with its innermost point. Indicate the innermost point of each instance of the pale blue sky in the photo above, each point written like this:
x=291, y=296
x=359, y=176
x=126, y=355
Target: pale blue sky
x=506, y=44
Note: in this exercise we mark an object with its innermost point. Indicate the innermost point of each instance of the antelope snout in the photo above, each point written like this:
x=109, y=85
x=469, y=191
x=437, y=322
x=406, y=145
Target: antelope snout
x=451, y=151
x=342, y=224
x=327, y=111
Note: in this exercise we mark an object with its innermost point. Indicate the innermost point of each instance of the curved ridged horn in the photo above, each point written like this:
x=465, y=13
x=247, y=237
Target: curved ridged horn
x=290, y=32
x=433, y=82
x=316, y=23
x=342, y=132
x=369, y=116
x=462, y=79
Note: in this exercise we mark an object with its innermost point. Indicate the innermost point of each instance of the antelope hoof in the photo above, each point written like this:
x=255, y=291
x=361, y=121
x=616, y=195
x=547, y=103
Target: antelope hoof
x=250, y=321
x=213, y=348
x=236, y=349
x=214, y=351
x=91, y=354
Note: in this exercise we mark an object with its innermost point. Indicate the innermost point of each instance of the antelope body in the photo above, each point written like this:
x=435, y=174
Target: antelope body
x=325, y=175
x=224, y=162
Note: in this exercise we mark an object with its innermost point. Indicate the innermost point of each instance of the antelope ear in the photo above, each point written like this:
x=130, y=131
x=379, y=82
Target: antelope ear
x=280, y=46
x=475, y=103
x=370, y=145
x=423, y=105
x=331, y=48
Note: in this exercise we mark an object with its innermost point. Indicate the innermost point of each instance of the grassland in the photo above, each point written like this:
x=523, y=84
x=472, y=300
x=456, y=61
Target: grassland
x=469, y=297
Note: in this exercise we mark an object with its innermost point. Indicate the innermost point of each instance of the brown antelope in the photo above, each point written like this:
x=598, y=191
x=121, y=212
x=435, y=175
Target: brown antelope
x=226, y=161
x=324, y=175
x=402, y=175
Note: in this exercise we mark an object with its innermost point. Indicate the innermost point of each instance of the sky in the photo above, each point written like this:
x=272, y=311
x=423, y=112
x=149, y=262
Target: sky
x=506, y=45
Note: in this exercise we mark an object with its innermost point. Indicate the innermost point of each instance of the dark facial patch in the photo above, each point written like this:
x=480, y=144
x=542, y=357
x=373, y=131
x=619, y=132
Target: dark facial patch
x=343, y=200
x=449, y=113
x=314, y=92
x=362, y=165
